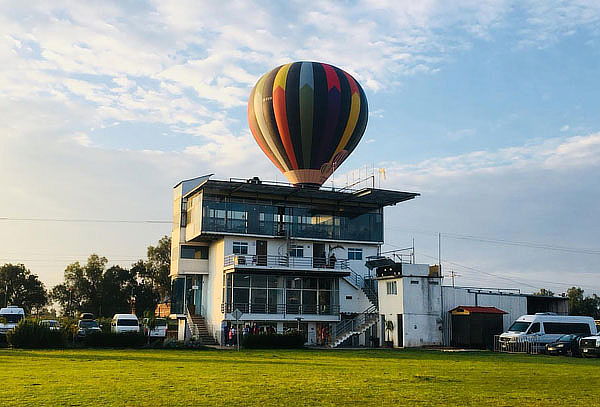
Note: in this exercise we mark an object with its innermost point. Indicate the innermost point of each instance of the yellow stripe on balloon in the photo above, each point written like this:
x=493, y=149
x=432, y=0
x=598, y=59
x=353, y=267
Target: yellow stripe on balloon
x=262, y=124
x=351, y=124
x=281, y=77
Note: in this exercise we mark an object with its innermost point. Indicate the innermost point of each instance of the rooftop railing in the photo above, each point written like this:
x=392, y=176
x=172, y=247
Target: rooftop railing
x=288, y=262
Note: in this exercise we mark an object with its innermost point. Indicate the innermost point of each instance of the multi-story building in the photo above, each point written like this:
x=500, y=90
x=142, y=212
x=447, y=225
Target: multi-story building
x=286, y=257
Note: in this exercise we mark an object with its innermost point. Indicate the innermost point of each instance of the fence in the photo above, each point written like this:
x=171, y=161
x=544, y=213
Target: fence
x=518, y=345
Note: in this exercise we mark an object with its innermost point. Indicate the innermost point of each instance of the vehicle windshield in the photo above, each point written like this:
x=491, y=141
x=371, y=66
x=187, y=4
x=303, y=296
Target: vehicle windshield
x=161, y=322
x=11, y=318
x=567, y=338
x=519, y=326
x=88, y=324
x=127, y=322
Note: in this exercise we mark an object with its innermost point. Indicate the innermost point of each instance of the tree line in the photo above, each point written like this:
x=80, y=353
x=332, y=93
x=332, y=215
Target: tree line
x=93, y=287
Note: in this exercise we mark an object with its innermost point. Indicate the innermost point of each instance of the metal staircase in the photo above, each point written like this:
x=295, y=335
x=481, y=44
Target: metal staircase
x=345, y=329
x=199, y=330
x=366, y=285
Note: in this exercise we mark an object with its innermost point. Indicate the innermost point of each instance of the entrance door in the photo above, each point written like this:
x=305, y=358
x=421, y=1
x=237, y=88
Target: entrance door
x=400, y=331
x=194, y=294
x=319, y=259
x=261, y=252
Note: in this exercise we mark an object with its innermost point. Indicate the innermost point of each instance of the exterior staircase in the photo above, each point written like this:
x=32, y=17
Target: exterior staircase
x=345, y=329
x=366, y=285
x=199, y=330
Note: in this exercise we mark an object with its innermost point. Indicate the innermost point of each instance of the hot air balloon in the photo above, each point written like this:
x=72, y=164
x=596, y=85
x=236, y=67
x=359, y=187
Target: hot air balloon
x=307, y=117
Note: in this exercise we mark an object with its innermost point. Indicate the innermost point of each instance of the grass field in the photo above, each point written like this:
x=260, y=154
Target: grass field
x=306, y=377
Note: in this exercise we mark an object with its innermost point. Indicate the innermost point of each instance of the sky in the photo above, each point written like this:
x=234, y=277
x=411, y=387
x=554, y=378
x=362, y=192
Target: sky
x=489, y=109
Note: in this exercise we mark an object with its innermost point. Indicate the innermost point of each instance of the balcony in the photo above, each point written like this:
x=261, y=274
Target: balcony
x=294, y=309
x=265, y=263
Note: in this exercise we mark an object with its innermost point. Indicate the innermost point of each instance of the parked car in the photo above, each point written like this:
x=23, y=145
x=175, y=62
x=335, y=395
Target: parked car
x=87, y=327
x=53, y=324
x=590, y=346
x=86, y=315
x=565, y=345
x=159, y=330
x=544, y=328
x=10, y=317
x=124, y=323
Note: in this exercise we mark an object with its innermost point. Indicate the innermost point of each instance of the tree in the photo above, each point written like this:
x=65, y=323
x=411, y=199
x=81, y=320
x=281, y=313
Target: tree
x=581, y=305
x=157, y=268
x=18, y=286
x=105, y=292
x=544, y=292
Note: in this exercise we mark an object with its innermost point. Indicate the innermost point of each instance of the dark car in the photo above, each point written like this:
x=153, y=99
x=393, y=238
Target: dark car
x=87, y=327
x=565, y=345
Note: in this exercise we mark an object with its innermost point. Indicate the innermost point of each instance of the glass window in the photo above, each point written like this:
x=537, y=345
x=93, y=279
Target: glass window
x=535, y=327
x=259, y=281
x=355, y=254
x=194, y=252
x=241, y=296
x=274, y=282
x=240, y=247
x=296, y=250
x=324, y=284
x=391, y=288
x=519, y=326
x=294, y=282
x=310, y=283
x=241, y=280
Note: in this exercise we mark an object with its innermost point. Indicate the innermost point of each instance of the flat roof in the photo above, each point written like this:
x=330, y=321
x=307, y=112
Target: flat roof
x=258, y=189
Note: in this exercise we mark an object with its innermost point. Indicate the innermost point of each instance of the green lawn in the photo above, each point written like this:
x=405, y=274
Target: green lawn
x=307, y=377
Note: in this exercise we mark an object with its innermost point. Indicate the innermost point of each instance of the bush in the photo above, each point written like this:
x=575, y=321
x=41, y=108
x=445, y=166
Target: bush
x=32, y=334
x=292, y=340
x=114, y=340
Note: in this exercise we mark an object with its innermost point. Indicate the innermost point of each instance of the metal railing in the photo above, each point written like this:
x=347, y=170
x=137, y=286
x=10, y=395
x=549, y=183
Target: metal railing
x=255, y=308
x=348, y=327
x=364, y=284
x=275, y=261
x=518, y=345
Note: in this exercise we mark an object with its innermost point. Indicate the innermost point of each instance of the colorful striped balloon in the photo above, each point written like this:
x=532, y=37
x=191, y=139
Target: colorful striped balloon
x=307, y=117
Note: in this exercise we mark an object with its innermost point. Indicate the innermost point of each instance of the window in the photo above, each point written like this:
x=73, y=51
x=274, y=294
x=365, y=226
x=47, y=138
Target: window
x=414, y=281
x=240, y=247
x=534, y=328
x=566, y=328
x=194, y=252
x=392, y=288
x=296, y=250
x=355, y=254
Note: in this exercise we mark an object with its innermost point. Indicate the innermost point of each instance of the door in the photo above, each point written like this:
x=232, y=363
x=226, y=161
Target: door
x=400, y=331
x=319, y=255
x=261, y=252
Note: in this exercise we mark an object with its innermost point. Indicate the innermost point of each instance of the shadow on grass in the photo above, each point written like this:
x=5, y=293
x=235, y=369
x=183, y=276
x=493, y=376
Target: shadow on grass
x=286, y=357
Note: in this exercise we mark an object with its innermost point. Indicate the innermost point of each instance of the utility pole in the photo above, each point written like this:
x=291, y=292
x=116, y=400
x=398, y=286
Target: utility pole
x=6, y=294
x=453, y=274
x=440, y=252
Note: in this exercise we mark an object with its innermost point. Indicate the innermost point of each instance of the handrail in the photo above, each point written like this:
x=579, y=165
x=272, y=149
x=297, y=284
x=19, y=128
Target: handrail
x=296, y=309
x=277, y=261
x=361, y=282
x=351, y=325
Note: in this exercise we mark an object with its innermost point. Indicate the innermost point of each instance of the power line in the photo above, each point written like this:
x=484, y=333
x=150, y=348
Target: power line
x=506, y=242
x=67, y=220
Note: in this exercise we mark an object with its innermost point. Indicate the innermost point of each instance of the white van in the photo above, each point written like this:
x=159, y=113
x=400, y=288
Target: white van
x=10, y=317
x=123, y=323
x=159, y=330
x=546, y=327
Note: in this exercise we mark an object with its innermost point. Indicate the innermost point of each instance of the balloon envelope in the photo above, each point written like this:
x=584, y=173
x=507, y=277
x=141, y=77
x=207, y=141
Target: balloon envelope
x=307, y=117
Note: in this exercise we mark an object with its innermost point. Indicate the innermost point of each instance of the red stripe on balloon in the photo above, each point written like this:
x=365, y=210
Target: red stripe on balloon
x=282, y=124
x=352, y=83
x=332, y=79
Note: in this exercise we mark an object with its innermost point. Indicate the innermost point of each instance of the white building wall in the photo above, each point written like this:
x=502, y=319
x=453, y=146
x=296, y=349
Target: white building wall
x=212, y=296
x=352, y=299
